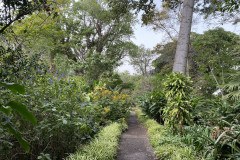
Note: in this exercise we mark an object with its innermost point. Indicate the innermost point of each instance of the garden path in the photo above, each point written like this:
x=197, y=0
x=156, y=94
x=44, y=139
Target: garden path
x=134, y=143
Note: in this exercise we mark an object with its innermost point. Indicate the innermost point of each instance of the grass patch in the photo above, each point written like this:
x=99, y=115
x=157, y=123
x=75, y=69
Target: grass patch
x=103, y=147
x=167, y=146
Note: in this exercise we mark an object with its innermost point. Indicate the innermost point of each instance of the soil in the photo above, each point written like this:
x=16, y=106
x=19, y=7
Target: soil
x=134, y=143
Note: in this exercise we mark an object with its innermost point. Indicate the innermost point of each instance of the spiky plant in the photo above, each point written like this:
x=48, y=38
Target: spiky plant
x=232, y=88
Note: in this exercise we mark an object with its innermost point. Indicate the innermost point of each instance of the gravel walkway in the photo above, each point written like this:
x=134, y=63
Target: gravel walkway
x=134, y=144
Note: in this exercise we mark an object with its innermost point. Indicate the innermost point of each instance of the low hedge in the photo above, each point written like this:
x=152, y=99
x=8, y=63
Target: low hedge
x=167, y=146
x=103, y=147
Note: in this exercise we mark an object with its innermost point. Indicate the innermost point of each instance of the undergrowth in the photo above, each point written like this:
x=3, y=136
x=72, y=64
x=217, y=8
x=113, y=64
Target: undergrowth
x=104, y=146
x=166, y=145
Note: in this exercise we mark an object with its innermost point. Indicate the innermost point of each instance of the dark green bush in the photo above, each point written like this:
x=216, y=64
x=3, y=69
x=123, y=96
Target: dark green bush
x=153, y=104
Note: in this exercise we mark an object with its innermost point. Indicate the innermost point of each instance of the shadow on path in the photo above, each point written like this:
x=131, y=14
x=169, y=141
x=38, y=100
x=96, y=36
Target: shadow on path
x=134, y=144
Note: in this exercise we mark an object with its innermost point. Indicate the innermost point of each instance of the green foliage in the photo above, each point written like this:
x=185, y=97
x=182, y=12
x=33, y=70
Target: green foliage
x=15, y=64
x=213, y=143
x=5, y=110
x=219, y=129
x=232, y=88
x=153, y=105
x=211, y=112
x=103, y=147
x=58, y=105
x=167, y=146
x=142, y=85
x=212, y=56
x=62, y=106
x=115, y=106
x=15, y=10
x=206, y=111
x=164, y=62
x=114, y=82
x=178, y=89
x=212, y=59
x=141, y=59
x=101, y=48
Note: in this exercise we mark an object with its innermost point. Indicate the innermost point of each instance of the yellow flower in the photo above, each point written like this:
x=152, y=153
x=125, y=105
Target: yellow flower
x=106, y=109
x=106, y=92
x=97, y=97
x=115, y=98
x=115, y=92
x=125, y=96
x=123, y=120
x=96, y=88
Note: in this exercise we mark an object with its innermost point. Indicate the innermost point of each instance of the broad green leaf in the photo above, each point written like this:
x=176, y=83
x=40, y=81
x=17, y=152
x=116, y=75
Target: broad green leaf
x=22, y=141
x=15, y=88
x=5, y=110
x=22, y=110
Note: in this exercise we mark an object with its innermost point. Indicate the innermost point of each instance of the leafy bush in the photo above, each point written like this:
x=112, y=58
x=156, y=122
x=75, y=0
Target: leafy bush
x=217, y=136
x=167, y=146
x=115, y=106
x=153, y=104
x=103, y=147
x=6, y=109
x=232, y=88
x=62, y=107
x=56, y=103
x=178, y=89
x=215, y=111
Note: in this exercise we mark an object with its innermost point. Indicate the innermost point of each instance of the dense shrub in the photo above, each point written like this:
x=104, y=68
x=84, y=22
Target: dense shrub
x=115, y=105
x=178, y=89
x=219, y=131
x=153, y=104
x=167, y=145
x=66, y=112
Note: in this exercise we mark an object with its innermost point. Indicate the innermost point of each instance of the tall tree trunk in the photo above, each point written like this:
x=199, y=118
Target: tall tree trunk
x=180, y=61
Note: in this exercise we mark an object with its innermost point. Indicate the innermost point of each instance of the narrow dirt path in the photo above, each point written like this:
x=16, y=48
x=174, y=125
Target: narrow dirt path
x=134, y=144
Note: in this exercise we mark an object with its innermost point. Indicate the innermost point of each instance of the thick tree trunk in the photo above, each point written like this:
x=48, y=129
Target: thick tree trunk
x=180, y=61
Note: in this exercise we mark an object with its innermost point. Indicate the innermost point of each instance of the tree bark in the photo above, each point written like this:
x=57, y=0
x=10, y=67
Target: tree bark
x=180, y=61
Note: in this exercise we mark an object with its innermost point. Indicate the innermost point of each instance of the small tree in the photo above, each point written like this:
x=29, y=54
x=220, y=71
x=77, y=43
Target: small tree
x=178, y=89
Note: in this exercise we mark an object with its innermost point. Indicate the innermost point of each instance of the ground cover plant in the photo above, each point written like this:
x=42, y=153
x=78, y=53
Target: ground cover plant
x=167, y=146
x=104, y=146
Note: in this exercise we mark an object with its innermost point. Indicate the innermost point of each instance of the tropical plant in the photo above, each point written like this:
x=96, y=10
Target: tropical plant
x=113, y=105
x=223, y=143
x=6, y=115
x=153, y=105
x=178, y=89
x=58, y=104
x=232, y=88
